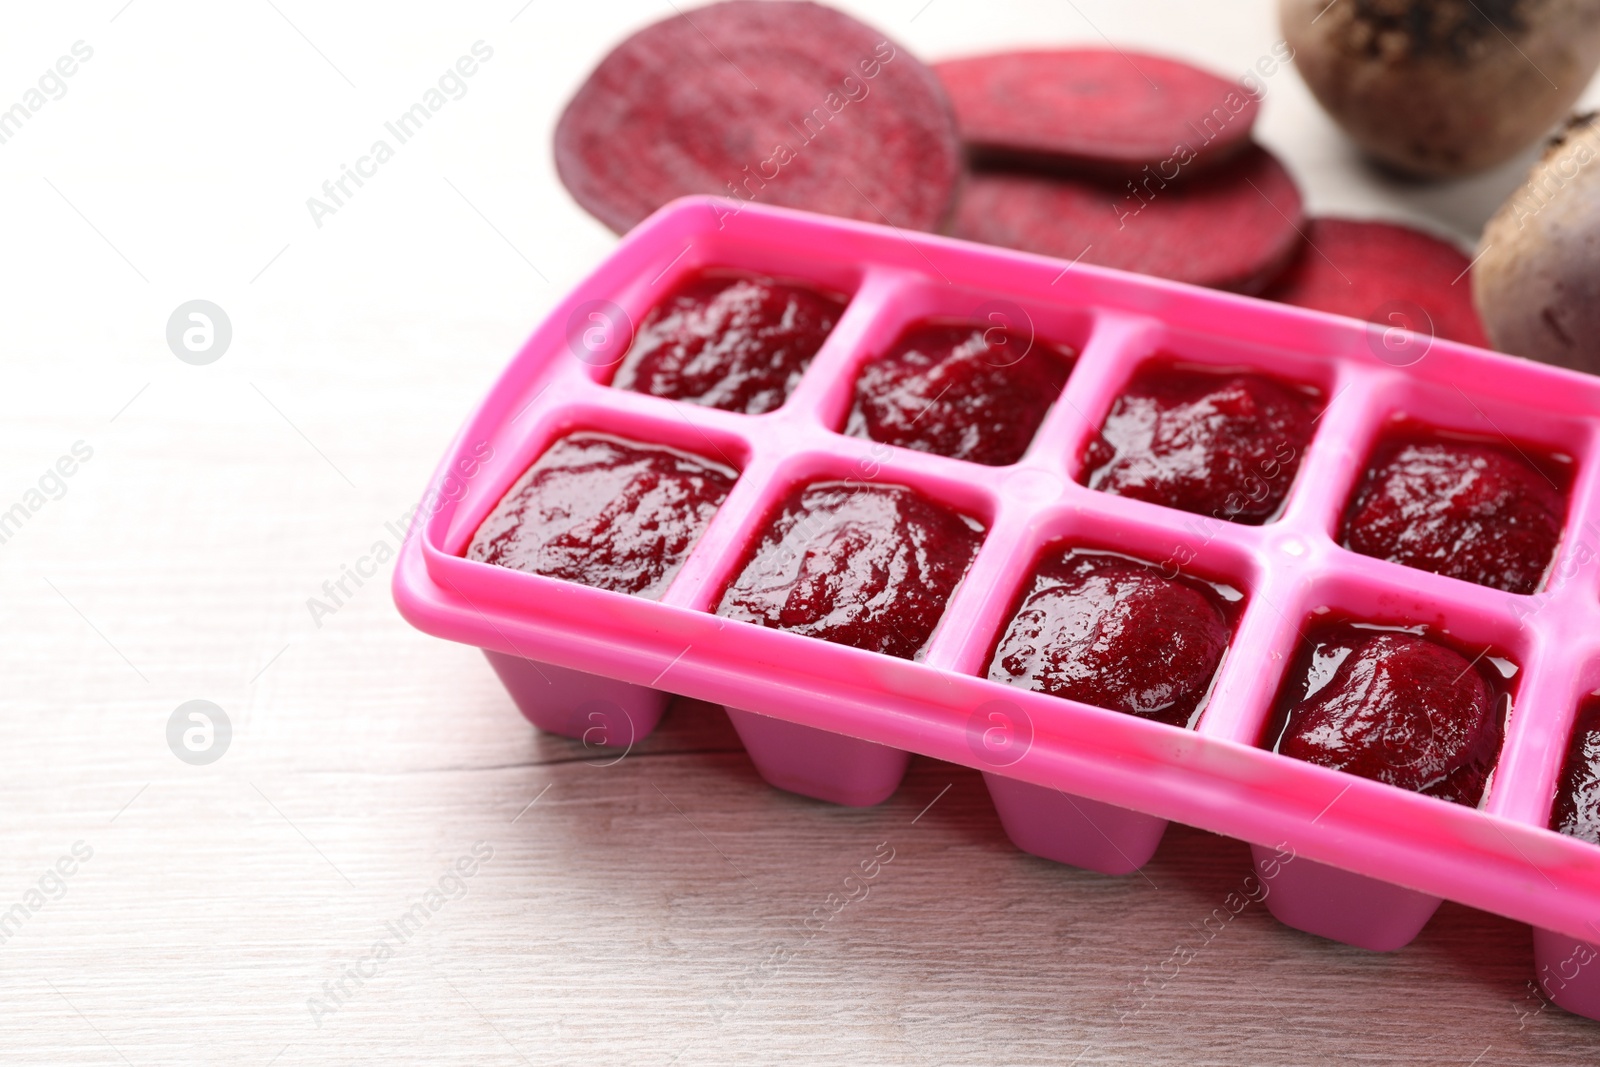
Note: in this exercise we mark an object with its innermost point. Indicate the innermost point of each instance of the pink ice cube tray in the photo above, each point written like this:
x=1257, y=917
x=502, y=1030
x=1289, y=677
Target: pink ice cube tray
x=1349, y=858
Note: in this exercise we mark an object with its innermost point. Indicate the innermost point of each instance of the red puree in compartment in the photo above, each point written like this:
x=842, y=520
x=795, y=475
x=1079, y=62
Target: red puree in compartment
x=1458, y=508
x=605, y=512
x=1115, y=632
x=1577, y=812
x=735, y=343
x=1396, y=707
x=866, y=565
x=961, y=390
x=1221, y=444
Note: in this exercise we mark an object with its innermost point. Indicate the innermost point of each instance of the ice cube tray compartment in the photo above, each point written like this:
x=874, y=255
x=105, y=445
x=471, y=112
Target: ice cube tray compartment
x=1075, y=782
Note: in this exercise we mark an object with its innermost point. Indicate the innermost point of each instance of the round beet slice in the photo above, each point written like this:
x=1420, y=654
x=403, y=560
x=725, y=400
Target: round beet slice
x=1233, y=227
x=770, y=101
x=1096, y=109
x=1375, y=270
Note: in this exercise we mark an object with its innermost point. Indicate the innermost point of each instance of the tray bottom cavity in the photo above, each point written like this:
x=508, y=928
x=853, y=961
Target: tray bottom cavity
x=1568, y=972
x=600, y=712
x=1341, y=906
x=819, y=764
x=1072, y=829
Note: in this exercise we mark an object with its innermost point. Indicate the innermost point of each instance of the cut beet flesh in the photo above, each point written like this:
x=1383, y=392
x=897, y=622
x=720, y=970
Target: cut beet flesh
x=772, y=101
x=1368, y=269
x=1233, y=227
x=1395, y=707
x=1117, y=633
x=1096, y=109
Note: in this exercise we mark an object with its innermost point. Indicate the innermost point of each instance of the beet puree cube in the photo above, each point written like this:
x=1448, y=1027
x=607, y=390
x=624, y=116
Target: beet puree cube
x=605, y=512
x=739, y=344
x=871, y=566
x=1465, y=510
x=967, y=391
x=1395, y=707
x=1577, y=810
x=1220, y=444
x=1117, y=633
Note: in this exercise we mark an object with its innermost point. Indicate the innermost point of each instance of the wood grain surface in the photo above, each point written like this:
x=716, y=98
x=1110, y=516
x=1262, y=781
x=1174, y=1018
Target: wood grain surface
x=304, y=899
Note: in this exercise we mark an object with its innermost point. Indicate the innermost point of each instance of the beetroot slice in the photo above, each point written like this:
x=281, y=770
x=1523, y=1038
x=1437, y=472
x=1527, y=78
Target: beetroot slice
x=1097, y=110
x=1234, y=227
x=772, y=101
x=1362, y=269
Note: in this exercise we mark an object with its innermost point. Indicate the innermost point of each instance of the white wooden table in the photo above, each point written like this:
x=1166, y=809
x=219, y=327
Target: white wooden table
x=647, y=911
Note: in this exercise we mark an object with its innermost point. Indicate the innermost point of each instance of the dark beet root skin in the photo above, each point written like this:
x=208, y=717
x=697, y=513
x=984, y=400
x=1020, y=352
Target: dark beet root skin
x=779, y=102
x=1466, y=509
x=967, y=391
x=1118, y=633
x=1577, y=807
x=604, y=512
x=1377, y=271
x=1095, y=110
x=1222, y=444
x=734, y=343
x=867, y=565
x=1395, y=707
x=1235, y=227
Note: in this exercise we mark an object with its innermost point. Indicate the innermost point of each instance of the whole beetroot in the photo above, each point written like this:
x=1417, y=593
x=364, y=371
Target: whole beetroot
x=1440, y=88
x=1537, y=280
